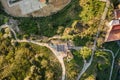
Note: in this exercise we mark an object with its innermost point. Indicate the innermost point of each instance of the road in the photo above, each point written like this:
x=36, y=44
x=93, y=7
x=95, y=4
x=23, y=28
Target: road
x=87, y=64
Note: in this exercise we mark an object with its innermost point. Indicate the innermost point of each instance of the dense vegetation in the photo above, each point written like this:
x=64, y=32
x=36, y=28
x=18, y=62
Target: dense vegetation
x=27, y=61
x=100, y=67
x=3, y=16
x=49, y=25
x=78, y=21
x=82, y=32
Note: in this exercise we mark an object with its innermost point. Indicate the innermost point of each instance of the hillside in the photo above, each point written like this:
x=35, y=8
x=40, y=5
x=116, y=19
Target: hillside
x=23, y=61
x=81, y=23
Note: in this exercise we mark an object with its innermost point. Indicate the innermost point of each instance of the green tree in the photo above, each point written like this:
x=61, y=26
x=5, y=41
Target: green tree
x=49, y=75
x=44, y=63
x=85, y=52
x=60, y=30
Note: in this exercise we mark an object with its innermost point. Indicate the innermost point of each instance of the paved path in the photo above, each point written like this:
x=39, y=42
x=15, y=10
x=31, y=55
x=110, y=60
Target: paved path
x=59, y=57
x=86, y=65
x=113, y=60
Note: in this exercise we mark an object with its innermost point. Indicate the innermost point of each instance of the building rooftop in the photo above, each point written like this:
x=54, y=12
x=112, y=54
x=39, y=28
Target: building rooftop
x=113, y=34
x=117, y=13
x=114, y=22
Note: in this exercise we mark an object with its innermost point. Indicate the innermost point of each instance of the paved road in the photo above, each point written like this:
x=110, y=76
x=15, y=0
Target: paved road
x=86, y=65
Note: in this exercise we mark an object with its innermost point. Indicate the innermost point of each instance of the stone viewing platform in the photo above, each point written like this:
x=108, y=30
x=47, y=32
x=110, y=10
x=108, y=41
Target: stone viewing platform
x=35, y=8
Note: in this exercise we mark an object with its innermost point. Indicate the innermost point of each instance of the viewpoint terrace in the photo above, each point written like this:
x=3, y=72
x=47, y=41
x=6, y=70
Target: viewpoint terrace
x=35, y=8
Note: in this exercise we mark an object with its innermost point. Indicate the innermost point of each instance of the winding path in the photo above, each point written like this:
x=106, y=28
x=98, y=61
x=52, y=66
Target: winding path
x=87, y=64
x=113, y=60
x=59, y=57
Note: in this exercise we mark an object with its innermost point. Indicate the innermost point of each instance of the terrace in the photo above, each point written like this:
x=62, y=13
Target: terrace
x=27, y=6
x=35, y=8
